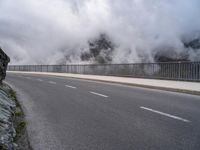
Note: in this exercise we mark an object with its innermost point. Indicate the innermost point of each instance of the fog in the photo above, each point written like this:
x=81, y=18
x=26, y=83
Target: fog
x=45, y=31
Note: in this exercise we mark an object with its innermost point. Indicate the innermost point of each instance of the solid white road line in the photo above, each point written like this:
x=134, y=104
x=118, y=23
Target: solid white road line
x=52, y=82
x=98, y=94
x=165, y=114
x=39, y=80
x=69, y=86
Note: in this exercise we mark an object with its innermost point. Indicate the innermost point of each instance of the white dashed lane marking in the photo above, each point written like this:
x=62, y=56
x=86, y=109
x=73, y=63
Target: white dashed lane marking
x=98, y=94
x=52, y=82
x=69, y=86
x=39, y=80
x=165, y=114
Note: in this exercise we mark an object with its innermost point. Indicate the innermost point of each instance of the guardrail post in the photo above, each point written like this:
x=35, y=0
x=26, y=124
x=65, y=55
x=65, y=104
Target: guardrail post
x=179, y=70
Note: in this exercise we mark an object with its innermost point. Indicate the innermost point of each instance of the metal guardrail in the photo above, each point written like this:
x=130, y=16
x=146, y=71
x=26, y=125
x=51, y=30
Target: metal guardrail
x=187, y=71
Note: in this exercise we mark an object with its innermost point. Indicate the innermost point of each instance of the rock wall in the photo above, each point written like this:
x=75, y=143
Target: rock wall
x=4, y=60
x=7, y=112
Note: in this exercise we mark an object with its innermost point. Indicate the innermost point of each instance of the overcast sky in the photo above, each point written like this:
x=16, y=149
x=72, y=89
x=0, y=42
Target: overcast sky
x=43, y=31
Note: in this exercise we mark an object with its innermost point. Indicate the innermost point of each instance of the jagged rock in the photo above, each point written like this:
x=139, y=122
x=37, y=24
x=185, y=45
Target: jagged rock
x=100, y=50
x=194, y=44
x=4, y=60
x=7, y=106
x=170, y=56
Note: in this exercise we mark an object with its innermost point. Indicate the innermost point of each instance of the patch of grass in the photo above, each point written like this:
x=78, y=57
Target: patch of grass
x=21, y=126
x=2, y=148
x=19, y=123
x=18, y=114
x=13, y=96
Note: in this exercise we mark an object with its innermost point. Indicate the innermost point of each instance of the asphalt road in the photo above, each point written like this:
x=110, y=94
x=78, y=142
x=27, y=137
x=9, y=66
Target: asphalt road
x=73, y=114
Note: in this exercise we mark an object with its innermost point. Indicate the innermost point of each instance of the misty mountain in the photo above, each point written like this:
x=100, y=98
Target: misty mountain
x=102, y=48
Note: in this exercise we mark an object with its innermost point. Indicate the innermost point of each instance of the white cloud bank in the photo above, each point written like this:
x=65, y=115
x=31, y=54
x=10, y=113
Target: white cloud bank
x=43, y=31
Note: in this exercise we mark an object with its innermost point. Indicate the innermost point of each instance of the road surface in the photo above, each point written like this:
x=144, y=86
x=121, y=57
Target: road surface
x=73, y=114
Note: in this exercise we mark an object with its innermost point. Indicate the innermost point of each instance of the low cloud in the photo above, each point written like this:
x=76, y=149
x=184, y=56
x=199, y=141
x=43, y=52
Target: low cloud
x=46, y=31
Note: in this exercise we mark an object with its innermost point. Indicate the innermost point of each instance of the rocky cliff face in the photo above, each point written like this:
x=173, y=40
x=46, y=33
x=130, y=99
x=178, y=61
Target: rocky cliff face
x=4, y=60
